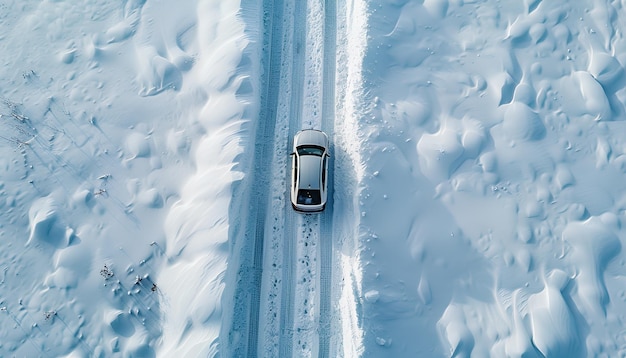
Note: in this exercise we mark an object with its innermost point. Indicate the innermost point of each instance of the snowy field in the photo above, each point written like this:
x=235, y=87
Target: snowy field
x=478, y=178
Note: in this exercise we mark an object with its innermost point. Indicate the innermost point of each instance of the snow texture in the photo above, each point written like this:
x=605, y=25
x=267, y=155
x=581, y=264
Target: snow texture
x=477, y=201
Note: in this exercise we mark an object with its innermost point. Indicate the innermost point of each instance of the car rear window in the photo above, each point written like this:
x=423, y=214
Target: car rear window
x=309, y=197
x=311, y=150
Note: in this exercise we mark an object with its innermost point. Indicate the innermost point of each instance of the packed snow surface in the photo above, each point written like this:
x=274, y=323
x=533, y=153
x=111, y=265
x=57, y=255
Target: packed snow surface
x=478, y=166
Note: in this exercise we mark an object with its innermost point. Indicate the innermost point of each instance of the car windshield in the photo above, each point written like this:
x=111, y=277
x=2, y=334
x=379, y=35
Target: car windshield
x=309, y=197
x=311, y=150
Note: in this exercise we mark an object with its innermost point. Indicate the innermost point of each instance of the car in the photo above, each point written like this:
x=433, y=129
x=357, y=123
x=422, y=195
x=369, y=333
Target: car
x=309, y=171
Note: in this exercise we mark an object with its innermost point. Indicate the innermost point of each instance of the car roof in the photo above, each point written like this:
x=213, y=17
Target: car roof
x=311, y=137
x=309, y=168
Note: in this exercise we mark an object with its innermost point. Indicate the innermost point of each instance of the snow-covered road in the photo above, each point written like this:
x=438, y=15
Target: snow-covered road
x=285, y=274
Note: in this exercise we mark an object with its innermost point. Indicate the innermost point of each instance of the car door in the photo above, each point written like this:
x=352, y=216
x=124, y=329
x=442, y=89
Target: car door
x=324, y=170
x=294, y=173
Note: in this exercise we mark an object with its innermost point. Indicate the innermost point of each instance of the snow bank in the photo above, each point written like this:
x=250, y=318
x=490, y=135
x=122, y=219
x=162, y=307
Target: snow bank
x=554, y=330
x=103, y=109
x=490, y=208
x=594, y=245
x=351, y=44
x=197, y=226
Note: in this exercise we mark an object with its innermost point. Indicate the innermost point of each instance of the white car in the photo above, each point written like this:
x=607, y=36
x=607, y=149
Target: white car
x=309, y=171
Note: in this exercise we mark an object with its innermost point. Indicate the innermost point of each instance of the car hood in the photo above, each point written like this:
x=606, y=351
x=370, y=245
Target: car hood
x=312, y=137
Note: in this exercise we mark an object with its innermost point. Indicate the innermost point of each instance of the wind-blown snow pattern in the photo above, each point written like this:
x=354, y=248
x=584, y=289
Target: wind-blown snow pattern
x=493, y=136
x=478, y=166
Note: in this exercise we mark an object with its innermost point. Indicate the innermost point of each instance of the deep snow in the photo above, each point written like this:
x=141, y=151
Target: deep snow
x=495, y=135
x=478, y=178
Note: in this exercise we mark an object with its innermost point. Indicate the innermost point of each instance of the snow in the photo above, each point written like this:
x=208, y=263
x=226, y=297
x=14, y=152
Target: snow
x=478, y=194
x=506, y=149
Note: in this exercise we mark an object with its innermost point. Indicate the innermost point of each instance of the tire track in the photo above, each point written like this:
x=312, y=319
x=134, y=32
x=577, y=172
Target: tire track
x=294, y=250
x=278, y=283
x=305, y=326
x=314, y=249
x=260, y=184
x=326, y=220
x=289, y=249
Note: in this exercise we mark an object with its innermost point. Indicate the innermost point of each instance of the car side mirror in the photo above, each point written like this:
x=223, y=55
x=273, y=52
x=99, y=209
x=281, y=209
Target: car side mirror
x=292, y=153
